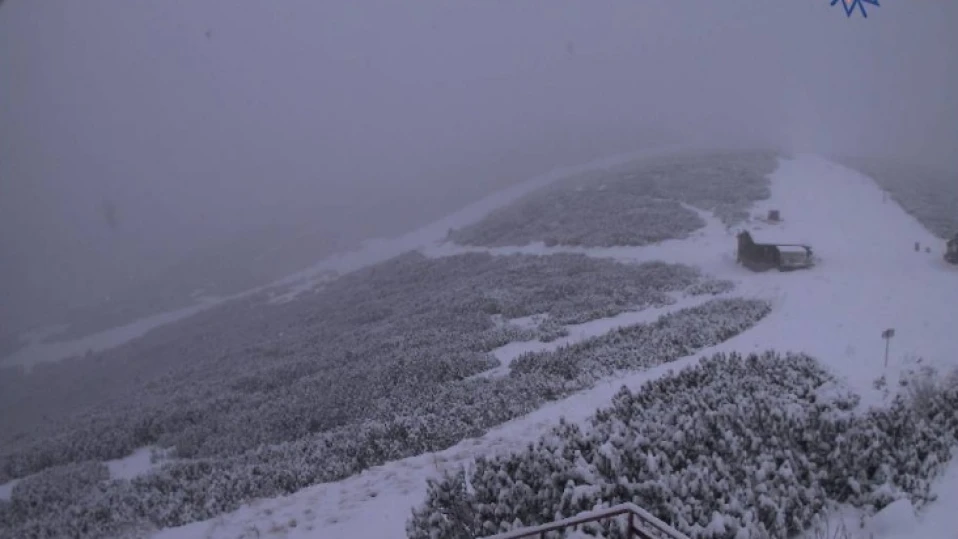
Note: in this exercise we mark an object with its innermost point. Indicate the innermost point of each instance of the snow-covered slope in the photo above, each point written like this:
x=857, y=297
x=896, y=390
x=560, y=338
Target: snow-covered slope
x=870, y=279
x=287, y=288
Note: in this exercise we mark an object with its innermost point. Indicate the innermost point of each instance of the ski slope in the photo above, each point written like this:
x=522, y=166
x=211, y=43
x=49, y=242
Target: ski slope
x=869, y=279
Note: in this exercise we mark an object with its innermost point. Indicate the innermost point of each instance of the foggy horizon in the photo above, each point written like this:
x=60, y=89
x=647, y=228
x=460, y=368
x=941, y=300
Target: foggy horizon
x=201, y=122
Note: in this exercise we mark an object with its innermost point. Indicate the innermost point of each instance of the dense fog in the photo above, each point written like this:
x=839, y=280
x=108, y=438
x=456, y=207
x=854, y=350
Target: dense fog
x=211, y=142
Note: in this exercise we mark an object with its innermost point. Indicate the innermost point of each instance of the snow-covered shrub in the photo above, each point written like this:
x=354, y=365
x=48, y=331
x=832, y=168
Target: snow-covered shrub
x=53, y=490
x=310, y=365
x=728, y=448
x=399, y=420
x=712, y=287
x=453, y=514
x=634, y=204
x=920, y=387
x=582, y=218
x=645, y=345
x=550, y=330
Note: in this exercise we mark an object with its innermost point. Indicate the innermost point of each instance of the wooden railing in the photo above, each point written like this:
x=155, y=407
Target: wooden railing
x=641, y=524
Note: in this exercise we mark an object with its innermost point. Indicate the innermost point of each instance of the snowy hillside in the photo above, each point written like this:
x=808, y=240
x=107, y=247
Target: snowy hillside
x=39, y=350
x=869, y=279
x=325, y=413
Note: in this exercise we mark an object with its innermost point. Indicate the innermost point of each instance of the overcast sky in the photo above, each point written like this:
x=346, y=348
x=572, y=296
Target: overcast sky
x=198, y=118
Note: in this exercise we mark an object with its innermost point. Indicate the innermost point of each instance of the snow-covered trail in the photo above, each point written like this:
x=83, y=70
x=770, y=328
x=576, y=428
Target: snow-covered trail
x=580, y=332
x=870, y=279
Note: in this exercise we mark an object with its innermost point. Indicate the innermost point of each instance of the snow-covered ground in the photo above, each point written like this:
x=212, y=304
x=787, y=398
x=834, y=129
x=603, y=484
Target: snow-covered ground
x=138, y=463
x=6, y=489
x=869, y=279
x=287, y=288
x=39, y=352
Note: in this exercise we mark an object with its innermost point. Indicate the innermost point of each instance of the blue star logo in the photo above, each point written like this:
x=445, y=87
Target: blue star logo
x=850, y=6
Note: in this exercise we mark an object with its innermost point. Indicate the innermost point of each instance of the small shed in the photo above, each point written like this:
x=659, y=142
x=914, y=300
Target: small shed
x=774, y=216
x=765, y=256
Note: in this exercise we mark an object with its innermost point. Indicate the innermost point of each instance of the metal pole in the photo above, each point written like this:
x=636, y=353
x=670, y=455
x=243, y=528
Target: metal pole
x=887, y=343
